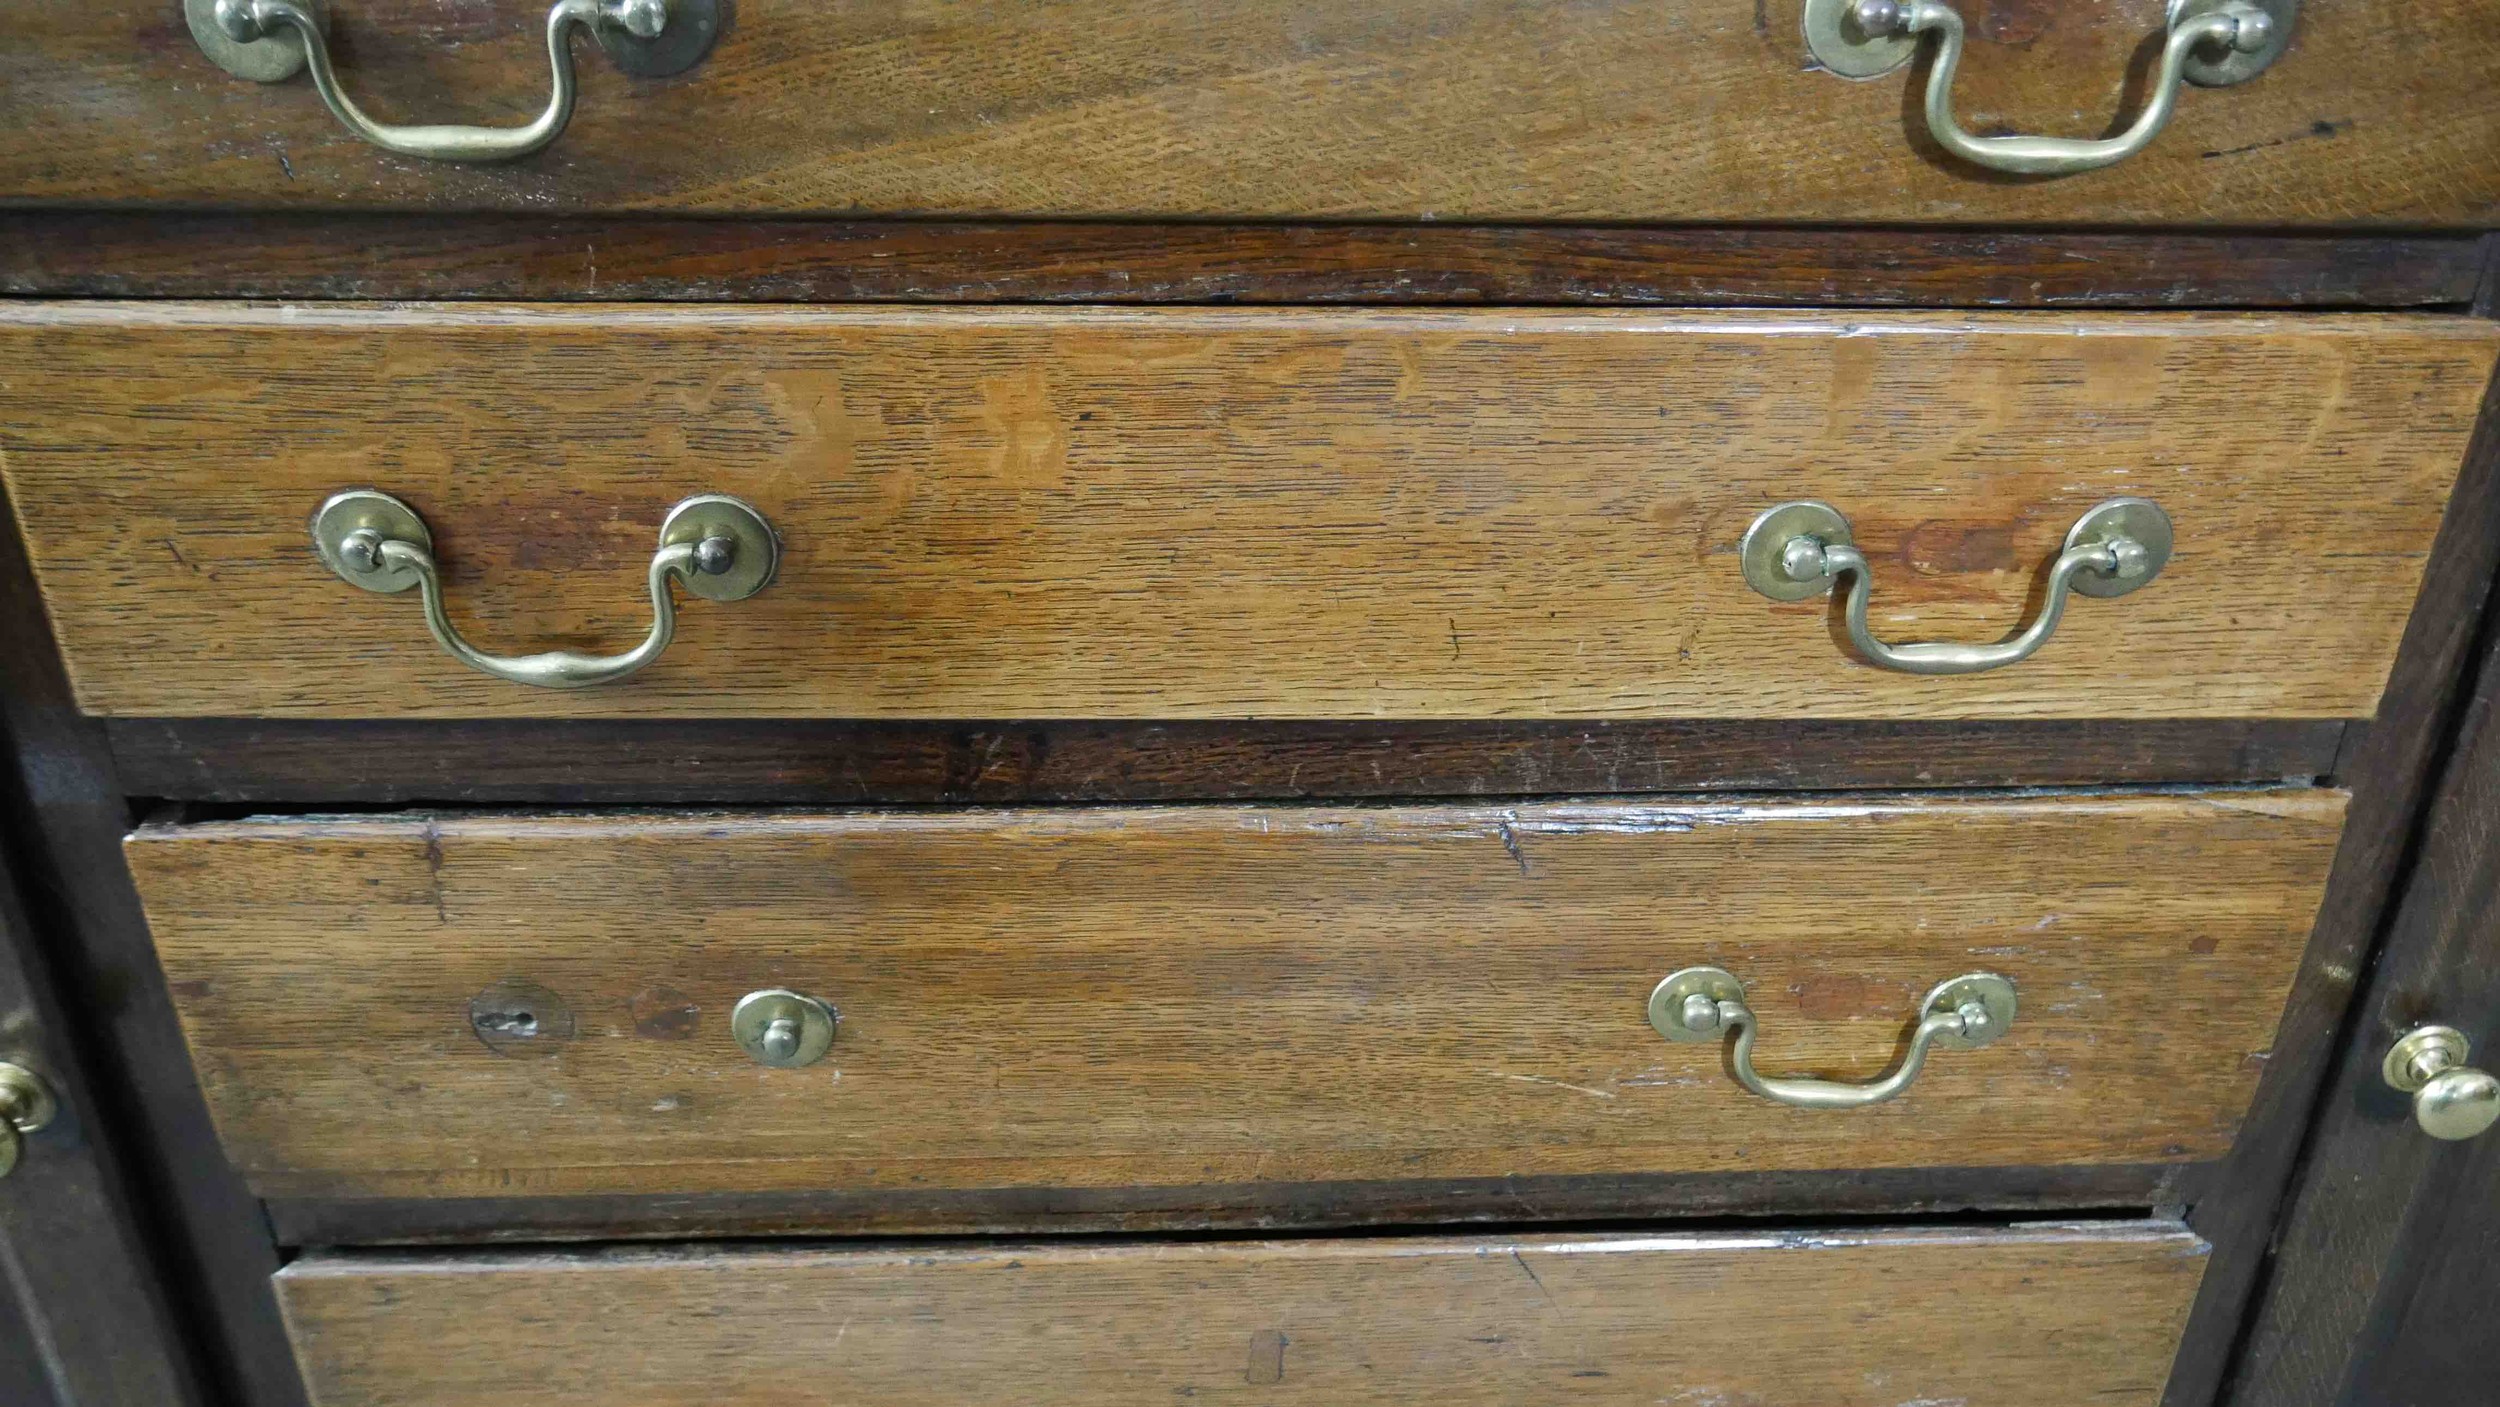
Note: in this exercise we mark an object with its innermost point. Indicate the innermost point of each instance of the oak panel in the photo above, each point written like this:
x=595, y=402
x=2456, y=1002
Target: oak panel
x=1621, y=110
x=1208, y=513
x=1216, y=995
x=2082, y=1315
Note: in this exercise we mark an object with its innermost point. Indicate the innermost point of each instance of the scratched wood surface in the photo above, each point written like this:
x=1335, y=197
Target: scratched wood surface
x=2076, y=1315
x=1200, y=513
x=1642, y=110
x=484, y=1004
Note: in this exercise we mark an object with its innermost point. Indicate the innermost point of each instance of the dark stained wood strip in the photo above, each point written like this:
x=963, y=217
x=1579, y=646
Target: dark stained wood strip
x=63, y=254
x=637, y=761
x=2388, y=767
x=1891, y=1192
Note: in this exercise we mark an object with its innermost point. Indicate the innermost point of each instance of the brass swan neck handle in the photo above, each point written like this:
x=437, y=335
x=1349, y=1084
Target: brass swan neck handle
x=272, y=40
x=1706, y=1003
x=714, y=545
x=2210, y=43
x=1802, y=549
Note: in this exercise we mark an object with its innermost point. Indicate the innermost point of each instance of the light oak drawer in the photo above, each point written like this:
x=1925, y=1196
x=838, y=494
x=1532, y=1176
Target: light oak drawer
x=1480, y=110
x=2084, y=1315
x=1207, y=514
x=1209, y=996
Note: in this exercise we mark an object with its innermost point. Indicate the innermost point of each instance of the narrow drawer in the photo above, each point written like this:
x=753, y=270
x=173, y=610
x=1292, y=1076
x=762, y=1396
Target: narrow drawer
x=2051, y=1316
x=1211, y=996
x=1220, y=514
x=1632, y=110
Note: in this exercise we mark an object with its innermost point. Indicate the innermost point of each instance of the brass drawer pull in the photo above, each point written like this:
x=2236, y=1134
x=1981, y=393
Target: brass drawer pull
x=1703, y=1003
x=270, y=40
x=720, y=548
x=1802, y=549
x=782, y=1028
x=2210, y=43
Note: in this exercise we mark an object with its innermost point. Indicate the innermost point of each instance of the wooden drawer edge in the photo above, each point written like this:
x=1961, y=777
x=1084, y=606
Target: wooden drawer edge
x=2023, y=1316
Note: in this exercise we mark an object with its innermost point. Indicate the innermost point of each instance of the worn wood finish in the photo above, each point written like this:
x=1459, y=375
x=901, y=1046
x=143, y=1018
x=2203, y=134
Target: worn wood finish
x=2042, y=1316
x=132, y=254
x=1192, y=513
x=766, y=761
x=2388, y=1260
x=1639, y=110
x=1890, y=1193
x=1196, y=996
x=2389, y=765
x=62, y=823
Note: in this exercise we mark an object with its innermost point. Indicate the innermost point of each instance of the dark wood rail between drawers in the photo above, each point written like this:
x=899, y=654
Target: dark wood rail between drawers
x=793, y=761
x=115, y=254
x=1891, y=1193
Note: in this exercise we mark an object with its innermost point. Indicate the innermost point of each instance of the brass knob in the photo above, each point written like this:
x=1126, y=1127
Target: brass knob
x=782, y=1028
x=2451, y=1100
x=26, y=1104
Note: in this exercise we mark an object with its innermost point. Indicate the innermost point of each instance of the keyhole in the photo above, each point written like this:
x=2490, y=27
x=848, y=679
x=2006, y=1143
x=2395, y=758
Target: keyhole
x=511, y=1023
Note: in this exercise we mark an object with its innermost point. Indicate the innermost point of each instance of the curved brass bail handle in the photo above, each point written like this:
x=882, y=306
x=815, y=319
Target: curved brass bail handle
x=1704, y=1003
x=2208, y=42
x=270, y=40
x=1801, y=549
x=720, y=548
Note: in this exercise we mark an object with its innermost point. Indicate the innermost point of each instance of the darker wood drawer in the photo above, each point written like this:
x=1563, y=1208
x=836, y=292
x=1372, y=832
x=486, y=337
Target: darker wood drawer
x=1219, y=514
x=484, y=1006
x=1448, y=110
x=2082, y=1315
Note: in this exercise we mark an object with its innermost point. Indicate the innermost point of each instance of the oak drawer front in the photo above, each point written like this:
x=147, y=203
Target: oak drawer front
x=1208, y=513
x=2087, y=1315
x=1646, y=110
x=1201, y=996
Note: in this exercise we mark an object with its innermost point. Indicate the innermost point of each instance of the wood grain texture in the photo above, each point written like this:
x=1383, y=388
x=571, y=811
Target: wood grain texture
x=2081, y=1315
x=1199, y=513
x=1626, y=110
x=159, y=254
x=1216, y=995
x=648, y=761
